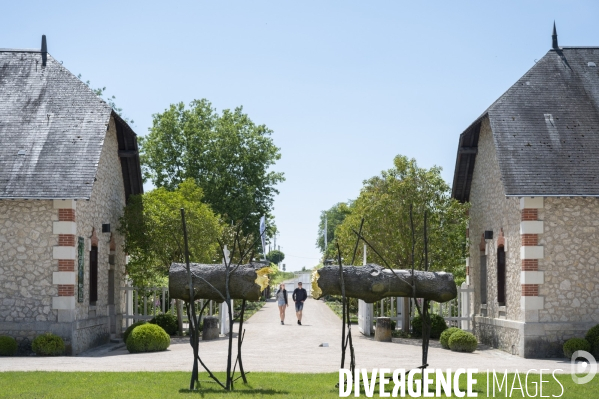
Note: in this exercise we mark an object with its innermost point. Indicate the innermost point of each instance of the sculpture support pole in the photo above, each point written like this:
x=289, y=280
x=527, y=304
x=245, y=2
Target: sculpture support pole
x=342, y=307
x=240, y=342
x=194, y=336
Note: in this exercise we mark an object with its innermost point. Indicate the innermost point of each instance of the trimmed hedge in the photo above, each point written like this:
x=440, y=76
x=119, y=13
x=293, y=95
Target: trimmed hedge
x=48, y=344
x=593, y=337
x=167, y=321
x=444, y=340
x=8, y=346
x=462, y=341
x=438, y=325
x=148, y=338
x=576, y=344
x=130, y=328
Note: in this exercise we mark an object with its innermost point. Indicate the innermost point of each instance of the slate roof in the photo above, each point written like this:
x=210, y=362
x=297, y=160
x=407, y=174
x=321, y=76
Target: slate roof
x=52, y=129
x=545, y=130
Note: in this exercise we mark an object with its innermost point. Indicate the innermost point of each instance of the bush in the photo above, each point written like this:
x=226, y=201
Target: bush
x=148, y=338
x=130, y=328
x=593, y=337
x=48, y=344
x=462, y=341
x=444, y=340
x=576, y=344
x=168, y=322
x=438, y=325
x=8, y=346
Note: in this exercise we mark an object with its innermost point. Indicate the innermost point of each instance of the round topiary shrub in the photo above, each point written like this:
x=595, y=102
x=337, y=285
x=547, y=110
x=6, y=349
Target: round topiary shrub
x=167, y=321
x=444, y=340
x=148, y=338
x=130, y=328
x=462, y=341
x=576, y=344
x=8, y=346
x=438, y=325
x=48, y=344
x=593, y=337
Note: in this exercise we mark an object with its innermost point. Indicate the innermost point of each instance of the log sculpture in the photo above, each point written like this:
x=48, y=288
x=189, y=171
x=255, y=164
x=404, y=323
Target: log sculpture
x=372, y=283
x=247, y=282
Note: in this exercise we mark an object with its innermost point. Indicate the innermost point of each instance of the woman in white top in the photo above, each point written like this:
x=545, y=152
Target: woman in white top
x=281, y=296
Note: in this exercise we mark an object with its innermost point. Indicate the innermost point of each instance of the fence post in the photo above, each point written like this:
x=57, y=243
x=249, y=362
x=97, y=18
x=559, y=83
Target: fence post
x=464, y=307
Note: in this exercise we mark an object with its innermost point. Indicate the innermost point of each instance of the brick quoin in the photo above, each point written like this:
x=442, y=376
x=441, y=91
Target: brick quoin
x=66, y=240
x=66, y=265
x=530, y=265
x=66, y=215
x=530, y=239
x=530, y=214
x=66, y=290
x=530, y=290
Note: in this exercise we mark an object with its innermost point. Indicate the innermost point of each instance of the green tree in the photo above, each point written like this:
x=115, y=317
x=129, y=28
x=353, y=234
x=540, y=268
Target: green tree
x=151, y=225
x=334, y=217
x=275, y=256
x=384, y=203
x=228, y=156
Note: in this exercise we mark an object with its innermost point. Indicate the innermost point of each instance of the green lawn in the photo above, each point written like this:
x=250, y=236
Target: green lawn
x=275, y=385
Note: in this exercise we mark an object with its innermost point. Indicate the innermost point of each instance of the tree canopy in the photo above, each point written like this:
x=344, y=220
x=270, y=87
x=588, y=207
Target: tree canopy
x=334, y=217
x=384, y=203
x=275, y=256
x=151, y=225
x=228, y=156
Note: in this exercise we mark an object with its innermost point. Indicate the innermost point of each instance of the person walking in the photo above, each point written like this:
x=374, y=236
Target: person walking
x=281, y=296
x=299, y=296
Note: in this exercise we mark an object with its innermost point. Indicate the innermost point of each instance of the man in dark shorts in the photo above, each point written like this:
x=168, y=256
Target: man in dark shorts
x=299, y=296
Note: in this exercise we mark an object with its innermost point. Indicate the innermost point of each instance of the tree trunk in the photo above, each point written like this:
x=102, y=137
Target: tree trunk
x=247, y=282
x=371, y=283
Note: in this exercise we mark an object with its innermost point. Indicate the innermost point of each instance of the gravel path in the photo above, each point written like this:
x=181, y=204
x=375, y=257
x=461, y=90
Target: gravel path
x=270, y=346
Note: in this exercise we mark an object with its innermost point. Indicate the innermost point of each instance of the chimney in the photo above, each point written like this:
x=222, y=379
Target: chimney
x=44, y=51
x=554, y=45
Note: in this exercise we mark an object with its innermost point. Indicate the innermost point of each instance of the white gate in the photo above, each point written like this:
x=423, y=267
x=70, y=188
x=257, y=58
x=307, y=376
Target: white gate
x=365, y=312
x=457, y=311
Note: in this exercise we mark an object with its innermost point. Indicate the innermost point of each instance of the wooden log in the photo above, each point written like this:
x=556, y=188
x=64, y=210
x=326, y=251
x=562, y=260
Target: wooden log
x=247, y=282
x=371, y=283
x=383, y=329
x=210, y=328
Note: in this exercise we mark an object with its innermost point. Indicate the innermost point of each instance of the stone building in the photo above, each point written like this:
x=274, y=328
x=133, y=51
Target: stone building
x=529, y=166
x=68, y=163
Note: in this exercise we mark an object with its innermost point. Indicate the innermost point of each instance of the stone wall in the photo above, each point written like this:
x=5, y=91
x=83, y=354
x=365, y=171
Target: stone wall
x=26, y=266
x=26, y=242
x=570, y=266
x=491, y=210
x=105, y=206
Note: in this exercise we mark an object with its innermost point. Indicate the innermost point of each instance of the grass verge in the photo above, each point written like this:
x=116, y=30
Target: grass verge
x=336, y=307
x=149, y=385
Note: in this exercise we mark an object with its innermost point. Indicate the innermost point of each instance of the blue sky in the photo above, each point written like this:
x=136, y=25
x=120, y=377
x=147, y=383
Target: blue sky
x=345, y=85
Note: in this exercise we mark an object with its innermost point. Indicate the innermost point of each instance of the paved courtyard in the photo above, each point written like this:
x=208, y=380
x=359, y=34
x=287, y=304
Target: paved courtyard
x=270, y=346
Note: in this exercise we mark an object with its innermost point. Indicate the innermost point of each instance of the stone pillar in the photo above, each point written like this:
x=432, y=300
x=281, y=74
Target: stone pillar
x=383, y=329
x=65, y=253
x=210, y=328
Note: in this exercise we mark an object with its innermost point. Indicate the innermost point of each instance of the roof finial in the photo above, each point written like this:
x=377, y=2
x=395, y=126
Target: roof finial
x=44, y=51
x=554, y=37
